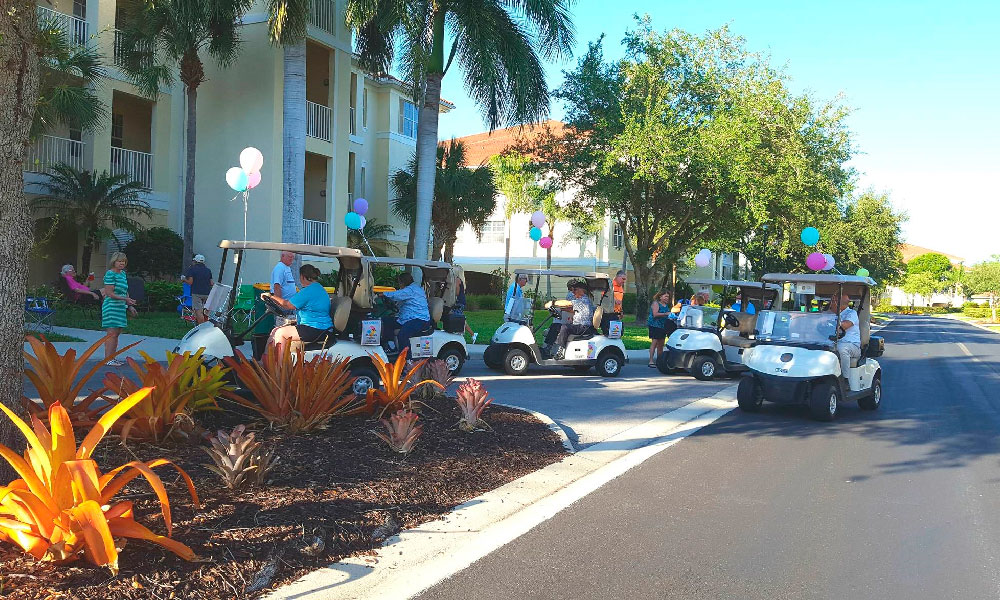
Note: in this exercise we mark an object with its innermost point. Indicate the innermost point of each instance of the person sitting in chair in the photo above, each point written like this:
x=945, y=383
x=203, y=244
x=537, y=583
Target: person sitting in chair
x=580, y=321
x=312, y=308
x=81, y=293
x=848, y=336
x=413, y=314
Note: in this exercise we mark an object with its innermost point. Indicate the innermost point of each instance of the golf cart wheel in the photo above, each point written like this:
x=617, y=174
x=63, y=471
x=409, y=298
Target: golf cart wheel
x=703, y=367
x=365, y=378
x=824, y=401
x=454, y=358
x=491, y=358
x=609, y=363
x=750, y=395
x=516, y=362
x=875, y=400
x=664, y=365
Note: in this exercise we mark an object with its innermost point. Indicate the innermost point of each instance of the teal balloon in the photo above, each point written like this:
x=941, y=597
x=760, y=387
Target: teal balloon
x=863, y=272
x=352, y=220
x=810, y=236
x=535, y=234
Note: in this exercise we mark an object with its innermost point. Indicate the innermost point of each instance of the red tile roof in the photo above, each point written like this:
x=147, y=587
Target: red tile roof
x=480, y=147
x=910, y=252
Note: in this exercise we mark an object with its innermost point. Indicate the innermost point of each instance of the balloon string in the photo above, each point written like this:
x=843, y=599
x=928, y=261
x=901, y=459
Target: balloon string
x=365, y=238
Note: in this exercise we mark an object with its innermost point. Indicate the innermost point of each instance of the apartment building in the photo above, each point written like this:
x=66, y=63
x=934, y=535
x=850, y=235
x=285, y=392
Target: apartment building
x=360, y=129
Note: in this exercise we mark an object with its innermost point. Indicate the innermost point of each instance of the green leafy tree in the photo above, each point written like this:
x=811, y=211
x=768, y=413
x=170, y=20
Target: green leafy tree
x=156, y=253
x=376, y=238
x=160, y=39
x=498, y=46
x=984, y=278
x=866, y=235
x=516, y=179
x=938, y=266
x=922, y=284
x=97, y=203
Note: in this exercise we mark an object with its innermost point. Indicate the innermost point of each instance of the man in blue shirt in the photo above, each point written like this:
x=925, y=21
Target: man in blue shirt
x=199, y=277
x=738, y=307
x=412, y=316
x=282, y=281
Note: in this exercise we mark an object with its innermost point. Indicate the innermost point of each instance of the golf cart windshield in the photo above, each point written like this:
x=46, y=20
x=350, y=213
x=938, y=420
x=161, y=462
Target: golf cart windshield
x=812, y=328
x=698, y=317
x=520, y=310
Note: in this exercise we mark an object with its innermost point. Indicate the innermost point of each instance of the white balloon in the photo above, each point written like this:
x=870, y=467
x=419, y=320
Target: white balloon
x=703, y=258
x=829, y=262
x=251, y=160
x=538, y=219
x=364, y=222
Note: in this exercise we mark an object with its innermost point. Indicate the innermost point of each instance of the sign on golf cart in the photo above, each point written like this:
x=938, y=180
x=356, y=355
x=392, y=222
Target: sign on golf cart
x=371, y=332
x=615, y=330
x=422, y=347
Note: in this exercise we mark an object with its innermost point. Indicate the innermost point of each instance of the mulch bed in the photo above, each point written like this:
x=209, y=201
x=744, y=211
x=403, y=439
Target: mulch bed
x=342, y=485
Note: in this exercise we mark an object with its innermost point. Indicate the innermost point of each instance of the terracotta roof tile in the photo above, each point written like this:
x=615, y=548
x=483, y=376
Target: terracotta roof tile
x=480, y=147
x=910, y=252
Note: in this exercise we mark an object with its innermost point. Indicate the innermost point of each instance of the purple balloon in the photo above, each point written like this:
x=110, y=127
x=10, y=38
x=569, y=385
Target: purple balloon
x=816, y=261
x=361, y=206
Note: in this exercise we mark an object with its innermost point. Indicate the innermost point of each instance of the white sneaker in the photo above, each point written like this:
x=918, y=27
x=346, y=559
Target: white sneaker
x=474, y=336
x=114, y=363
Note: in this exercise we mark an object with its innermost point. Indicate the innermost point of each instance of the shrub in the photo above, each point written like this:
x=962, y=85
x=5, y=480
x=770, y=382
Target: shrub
x=970, y=304
x=45, y=291
x=162, y=295
x=290, y=391
x=184, y=386
x=472, y=400
x=499, y=281
x=58, y=379
x=239, y=460
x=434, y=369
x=402, y=430
x=978, y=312
x=885, y=306
x=628, y=303
x=331, y=279
x=396, y=387
x=385, y=275
x=61, y=506
x=484, y=302
x=156, y=253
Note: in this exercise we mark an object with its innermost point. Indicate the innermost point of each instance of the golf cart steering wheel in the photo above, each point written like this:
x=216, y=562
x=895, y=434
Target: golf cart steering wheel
x=731, y=320
x=273, y=307
x=382, y=306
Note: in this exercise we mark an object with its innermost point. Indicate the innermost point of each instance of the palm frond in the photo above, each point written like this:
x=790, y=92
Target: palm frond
x=94, y=202
x=287, y=21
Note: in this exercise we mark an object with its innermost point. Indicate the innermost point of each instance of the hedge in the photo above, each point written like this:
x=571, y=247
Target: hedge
x=978, y=312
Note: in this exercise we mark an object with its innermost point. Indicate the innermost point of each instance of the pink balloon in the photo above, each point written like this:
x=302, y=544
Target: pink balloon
x=545, y=242
x=253, y=180
x=816, y=261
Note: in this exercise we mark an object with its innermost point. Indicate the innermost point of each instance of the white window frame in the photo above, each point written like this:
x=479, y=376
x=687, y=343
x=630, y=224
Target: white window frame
x=408, y=122
x=617, y=236
x=494, y=232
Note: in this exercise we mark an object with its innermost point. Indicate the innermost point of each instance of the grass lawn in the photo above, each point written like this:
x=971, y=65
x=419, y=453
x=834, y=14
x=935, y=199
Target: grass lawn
x=153, y=324
x=53, y=336
x=486, y=322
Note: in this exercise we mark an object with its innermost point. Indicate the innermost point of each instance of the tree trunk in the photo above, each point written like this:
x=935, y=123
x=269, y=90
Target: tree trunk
x=437, y=245
x=449, y=248
x=410, y=240
x=192, y=74
x=427, y=137
x=993, y=307
x=88, y=250
x=293, y=143
x=19, y=89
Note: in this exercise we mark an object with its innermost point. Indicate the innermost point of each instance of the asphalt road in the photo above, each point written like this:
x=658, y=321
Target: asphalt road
x=901, y=503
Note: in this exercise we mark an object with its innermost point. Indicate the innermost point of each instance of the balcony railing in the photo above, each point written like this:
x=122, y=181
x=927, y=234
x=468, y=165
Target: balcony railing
x=50, y=150
x=323, y=14
x=75, y=28
x=138, y=166
x=120, y=53
x=319, y=121
x=316, y=233
x=354, y=121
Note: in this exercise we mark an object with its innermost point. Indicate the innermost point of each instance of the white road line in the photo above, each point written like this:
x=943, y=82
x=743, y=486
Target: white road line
x=967, y=352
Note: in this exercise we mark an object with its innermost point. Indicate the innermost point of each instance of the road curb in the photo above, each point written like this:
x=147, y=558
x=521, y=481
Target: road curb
x=418, y=558
x=977, y=325
x=544, y=418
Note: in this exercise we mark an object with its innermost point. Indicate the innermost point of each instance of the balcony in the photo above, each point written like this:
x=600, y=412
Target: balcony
x=75, y=28
x=323, y=14
x=50, y=150
x=316, y=233
x=319, y=121
x=138, y=166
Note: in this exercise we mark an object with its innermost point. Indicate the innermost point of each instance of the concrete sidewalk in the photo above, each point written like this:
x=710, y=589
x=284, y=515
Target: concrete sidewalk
x=156, y=347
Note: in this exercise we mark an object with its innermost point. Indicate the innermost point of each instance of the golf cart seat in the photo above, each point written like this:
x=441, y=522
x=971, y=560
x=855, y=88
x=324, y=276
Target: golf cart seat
x=340, y=313
x=742, y=340
x=595, y=326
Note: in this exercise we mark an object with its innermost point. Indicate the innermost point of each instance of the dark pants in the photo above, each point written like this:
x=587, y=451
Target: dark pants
x=568, y=329
x=406, y=330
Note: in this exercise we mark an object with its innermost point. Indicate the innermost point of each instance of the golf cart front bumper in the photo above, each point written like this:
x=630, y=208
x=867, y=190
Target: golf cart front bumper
x=678, y=359
x=784, y=390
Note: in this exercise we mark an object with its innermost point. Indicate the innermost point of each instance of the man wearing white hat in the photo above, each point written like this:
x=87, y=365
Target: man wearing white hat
x=199, y=277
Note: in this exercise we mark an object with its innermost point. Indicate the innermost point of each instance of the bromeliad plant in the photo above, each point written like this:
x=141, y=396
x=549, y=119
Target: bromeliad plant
x=61, y=507
x=472, y=400
x=397, y=386
x=434, y=369
x=184, y=386
x=239, y=460
x=289, y=391
x=60, y=378
x=402, y=431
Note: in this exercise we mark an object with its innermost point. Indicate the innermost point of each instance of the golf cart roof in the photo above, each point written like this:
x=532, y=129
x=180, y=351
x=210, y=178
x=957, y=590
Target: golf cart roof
x=584, y=274
x=305, y=249
x=408, y=262
x=732, y=283
x=819, y=278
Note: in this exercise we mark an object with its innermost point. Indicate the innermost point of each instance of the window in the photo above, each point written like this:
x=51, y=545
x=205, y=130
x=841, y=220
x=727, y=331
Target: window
x=361, y=186
x=364, y=108
x=617, y=237
x=350, y=181
x=408, y=119
x=117, y=130
x=494, y=232
x=80, y=9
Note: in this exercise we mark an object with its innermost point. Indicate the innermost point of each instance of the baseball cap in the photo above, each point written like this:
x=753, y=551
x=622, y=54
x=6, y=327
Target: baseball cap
x=199, y=258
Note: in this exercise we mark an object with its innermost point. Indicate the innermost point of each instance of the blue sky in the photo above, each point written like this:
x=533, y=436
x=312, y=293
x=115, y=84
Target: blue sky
x=922, y=78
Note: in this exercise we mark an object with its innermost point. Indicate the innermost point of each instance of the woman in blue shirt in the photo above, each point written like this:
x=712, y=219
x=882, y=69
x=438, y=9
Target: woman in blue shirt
x=657, y=322
x=312, y=310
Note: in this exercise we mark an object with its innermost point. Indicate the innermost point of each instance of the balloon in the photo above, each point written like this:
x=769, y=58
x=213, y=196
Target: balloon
x=538, y=218
x=251, y=160
x=535, y=234
x=363, y=222
x=253, y=180
x=816, y=261
x=863, y=272
x=829, y=262
x=810, y=236
x=361, y=206
x=352, y=220
x=237, y=179
x=545, y=242
x=703, y=258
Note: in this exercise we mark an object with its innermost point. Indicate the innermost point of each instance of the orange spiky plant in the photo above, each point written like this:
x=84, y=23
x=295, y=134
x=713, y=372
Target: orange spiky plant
x=61, y=507
x=396, y=385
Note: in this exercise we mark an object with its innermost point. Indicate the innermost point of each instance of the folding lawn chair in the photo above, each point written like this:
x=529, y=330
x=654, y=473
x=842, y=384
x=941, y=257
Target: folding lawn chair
x=184, y=306
x=38, y=313
x=137, y=292
x=242, y=311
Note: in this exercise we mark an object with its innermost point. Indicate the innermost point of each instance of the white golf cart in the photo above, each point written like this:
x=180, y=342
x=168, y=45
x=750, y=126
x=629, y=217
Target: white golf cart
x=350, y=306
x=795, y=360
x=514, y=345
x=440, y=281
x=708, y=340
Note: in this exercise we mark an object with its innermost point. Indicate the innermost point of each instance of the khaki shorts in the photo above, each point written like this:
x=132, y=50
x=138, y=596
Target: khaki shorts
x=198, y=302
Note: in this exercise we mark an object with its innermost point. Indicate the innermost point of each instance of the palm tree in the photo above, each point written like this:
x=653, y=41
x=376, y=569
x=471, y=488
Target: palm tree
x=375, y=238
x=461, y=195
x=95, y=203
x=287, y=24
x=159, y=36
x=497, y=43
x=515, y=179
